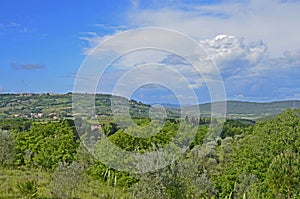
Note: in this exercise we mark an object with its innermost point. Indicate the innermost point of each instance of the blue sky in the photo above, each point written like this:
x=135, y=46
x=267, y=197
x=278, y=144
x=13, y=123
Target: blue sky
x=47, y=33
x=255, y=44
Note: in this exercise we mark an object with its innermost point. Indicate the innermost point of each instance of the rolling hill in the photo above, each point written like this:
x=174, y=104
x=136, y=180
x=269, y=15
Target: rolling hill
x=60, y=105
x=55, y=106
x=250, y=110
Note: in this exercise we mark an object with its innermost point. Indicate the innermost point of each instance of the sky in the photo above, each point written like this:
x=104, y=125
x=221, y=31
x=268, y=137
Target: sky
x=254, y=45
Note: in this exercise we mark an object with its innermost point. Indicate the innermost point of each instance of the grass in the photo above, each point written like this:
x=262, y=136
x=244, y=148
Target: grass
x=11, y=179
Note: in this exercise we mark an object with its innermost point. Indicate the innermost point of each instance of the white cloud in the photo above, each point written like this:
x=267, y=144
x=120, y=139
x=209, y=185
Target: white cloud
x=254, y=43
x=195, y=85
x=272, y=21
x=247, y=68
x=224, y=48
x=150, y=46
x=146, y=46
x=262, y=78
x=152, y=74
x=273, y=79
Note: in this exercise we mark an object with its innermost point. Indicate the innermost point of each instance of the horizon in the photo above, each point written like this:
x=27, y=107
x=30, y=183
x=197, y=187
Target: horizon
x=46, y=43
x=153, y=103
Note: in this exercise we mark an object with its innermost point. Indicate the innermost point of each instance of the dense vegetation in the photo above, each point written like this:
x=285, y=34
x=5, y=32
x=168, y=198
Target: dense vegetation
x=47, y=159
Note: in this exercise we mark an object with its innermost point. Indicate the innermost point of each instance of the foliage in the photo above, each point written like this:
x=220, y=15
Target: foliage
x=249, y=160
x=185, y=178
x=7, y=148
x=199, y=137
x=17, y=124
x=109, y=129
x=110, y=176
x=47, y=145
x=234, y=127
x=269, y=152
x=28, y=188
x=283, y=175
x=143, y=138
x=66, y=180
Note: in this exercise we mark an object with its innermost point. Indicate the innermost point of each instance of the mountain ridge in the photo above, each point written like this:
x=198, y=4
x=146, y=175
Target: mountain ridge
x=248, y=109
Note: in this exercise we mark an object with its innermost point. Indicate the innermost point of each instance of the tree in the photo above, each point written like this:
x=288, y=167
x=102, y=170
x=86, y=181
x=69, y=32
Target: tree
x=66, y=180
x=7, y=148
x=187, y=177
x=48, y=144
x=265, y=153
x=283, y=176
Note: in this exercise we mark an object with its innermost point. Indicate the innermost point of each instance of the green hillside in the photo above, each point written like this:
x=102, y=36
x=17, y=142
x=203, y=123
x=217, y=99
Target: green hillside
x=42, y=106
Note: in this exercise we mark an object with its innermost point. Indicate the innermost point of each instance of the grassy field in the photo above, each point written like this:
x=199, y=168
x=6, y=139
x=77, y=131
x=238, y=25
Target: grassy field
x=34, y=183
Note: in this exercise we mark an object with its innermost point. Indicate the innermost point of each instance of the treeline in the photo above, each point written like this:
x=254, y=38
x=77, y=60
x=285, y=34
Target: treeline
x=244, y=160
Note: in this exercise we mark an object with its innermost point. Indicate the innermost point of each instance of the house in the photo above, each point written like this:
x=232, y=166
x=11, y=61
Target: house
x=95, y=127
x=53, y=116
x=33, y=115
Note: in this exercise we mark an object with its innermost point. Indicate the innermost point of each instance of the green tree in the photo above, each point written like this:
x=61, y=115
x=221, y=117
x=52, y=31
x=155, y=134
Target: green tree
x=283, y=175
x=7, y=148
x=47, y=144
x=66, y=180
x=254, y=154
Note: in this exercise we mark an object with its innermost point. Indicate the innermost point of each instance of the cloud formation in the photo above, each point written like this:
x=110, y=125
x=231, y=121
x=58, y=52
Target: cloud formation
x=273, y=21
x=123, y=53
x=17, y=66
x=255, y=44
x=250, y=73
x=233, y=55
x=227, y=47
x=247, y=68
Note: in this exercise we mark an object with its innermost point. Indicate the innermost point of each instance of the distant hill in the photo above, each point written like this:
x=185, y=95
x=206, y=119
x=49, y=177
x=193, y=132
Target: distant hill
x=236, y=107
x=252, y=110
x=167, y=105
x=55, y=106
